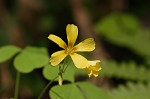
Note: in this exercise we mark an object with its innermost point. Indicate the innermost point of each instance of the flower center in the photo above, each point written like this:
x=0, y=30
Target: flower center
x=69, y=50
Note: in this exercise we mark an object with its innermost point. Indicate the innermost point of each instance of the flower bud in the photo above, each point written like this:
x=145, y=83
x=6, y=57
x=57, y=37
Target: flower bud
x=60, y=80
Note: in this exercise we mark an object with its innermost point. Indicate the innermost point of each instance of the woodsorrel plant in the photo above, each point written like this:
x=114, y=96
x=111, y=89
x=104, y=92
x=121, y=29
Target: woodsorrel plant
x=61, y=66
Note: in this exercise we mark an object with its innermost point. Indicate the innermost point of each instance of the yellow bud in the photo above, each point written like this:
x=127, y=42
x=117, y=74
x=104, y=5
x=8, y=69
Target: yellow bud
x=60, y=80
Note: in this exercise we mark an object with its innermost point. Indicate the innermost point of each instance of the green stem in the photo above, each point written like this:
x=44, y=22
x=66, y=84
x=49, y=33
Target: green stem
x=65, y=61
x=43, y=91
x=64, y=69
x=17, y=85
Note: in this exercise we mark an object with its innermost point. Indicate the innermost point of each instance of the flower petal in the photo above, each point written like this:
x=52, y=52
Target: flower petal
x=57, y=40
x=57, y=57
x=86, y=45
x=90, y=72
x=95, y=73
x=93, y=68
x=79, y=61
x=72, y=33
x=95, y=65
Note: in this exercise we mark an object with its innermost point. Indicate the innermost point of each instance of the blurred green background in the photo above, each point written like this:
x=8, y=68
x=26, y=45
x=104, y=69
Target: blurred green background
x=121, y=29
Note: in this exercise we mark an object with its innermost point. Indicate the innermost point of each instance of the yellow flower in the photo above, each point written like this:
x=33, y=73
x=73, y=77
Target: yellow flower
x=93, y=68
x=85, y=46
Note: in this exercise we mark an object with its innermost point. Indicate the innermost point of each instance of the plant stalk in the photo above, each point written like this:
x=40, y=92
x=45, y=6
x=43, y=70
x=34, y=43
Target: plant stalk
x=17, y=85
x=43, y=91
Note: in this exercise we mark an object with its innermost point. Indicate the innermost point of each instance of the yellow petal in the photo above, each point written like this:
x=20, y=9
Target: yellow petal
x=72, y=33
x=95, y=73
x=89, y=72
x=57, y=40
x=92, y=72
x=93, y=68
x=95, y=65
x=57, y=57
x=79, y=61
x=86, y=45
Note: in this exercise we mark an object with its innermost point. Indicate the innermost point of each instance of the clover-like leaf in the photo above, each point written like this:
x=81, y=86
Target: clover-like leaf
x=7, y=52
x=80, y=90
x=31, y=58
x=50, y=72
x=68, y=91
x=90, y=91
x=118, y=24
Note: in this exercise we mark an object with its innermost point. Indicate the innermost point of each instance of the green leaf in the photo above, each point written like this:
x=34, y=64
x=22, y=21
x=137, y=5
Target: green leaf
x=31, y=58
x=50, y=72
x=70, y=73
x=92, y=92
x=117, y=23
x=7, y=52
x=132, y=91
x=124, y=30
x=125, y=70
x=80, y=90
x=68, y=91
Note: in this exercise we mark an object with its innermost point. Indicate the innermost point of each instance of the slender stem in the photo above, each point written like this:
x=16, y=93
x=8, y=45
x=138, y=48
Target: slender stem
x=17, y=85
x=43, y=91
x=64, y=64
x=64, y=69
